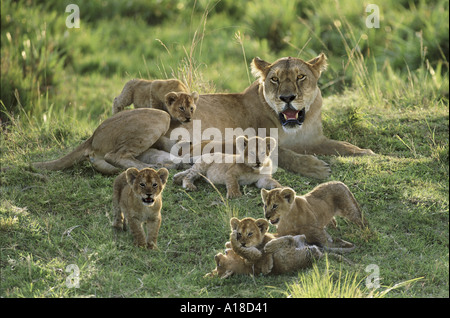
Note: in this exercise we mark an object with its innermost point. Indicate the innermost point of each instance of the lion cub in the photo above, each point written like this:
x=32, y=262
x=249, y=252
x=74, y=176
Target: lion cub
x=311, y=213
x=170, y=95
x=137, y=199
x=248, y=238
x=251, y=164
x=289, y=253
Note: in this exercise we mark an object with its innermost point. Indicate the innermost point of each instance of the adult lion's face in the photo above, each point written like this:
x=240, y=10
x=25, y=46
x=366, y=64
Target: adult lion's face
x=290, y=86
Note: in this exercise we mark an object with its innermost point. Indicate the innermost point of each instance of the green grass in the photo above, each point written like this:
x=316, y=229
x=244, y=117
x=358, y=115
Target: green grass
x=385, y=89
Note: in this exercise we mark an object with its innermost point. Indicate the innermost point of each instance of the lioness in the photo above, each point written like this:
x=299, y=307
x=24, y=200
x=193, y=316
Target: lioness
x=286, y=97
x=251, y=164
x=169, y=95
x=311, y=213
x=137, y=200
x=118, y=142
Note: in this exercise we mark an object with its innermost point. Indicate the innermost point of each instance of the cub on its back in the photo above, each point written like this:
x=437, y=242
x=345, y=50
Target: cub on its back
x=137, y=200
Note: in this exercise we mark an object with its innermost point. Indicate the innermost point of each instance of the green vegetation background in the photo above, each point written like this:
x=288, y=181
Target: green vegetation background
x=385, y=89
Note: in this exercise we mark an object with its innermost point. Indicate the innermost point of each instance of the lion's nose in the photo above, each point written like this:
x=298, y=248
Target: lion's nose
x=287, y=98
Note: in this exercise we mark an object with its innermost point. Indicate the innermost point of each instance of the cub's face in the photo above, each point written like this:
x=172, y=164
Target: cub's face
x=276, y=203
x=181, y=106
x=147, y=184
x=249, y=232
x=256, y=150
x=290, y=87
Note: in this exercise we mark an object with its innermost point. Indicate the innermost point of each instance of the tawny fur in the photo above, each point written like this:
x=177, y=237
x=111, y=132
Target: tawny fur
x=287, y=253
x=251, y=165
x=248, y=238
x=311, y=213
x=118, y=142
x=169, y=95
x=260, y=106
x=137, y=201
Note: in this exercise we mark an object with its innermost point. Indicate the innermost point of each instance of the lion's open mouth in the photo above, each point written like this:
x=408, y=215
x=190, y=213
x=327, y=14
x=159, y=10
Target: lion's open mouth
x=292, y=117
x=148, y=200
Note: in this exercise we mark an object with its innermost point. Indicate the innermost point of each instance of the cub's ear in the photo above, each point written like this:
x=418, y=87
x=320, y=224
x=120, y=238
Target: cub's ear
x=271, y=143
x=288, y=194
x=195, y=96
x=319, y=63
x=234, y=223
x=260, y=68
x=170, y=98
x=263, y=225
x=241, y=144
x=163, y=174
x=131, y=175
x=264, y=195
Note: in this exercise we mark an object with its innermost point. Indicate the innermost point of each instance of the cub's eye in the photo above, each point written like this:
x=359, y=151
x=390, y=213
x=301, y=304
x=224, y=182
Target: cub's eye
x=274, y=79
x=250, y=234
x=192, y=109
x=238, y=235
x=301, y=77
x=265, y=207
x=275, y=206
x=181, y=108
x=154, y=185
x=142, y=185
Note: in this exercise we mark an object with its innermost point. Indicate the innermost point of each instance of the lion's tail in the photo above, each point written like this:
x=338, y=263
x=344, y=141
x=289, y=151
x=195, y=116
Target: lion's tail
x=77, y=155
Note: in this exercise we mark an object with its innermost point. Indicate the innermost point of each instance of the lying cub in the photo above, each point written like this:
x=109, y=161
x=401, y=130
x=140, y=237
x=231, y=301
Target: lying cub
x=289, y=253
x=311, y=213
x=251, y=164
x=137, y=199
x=170, y=95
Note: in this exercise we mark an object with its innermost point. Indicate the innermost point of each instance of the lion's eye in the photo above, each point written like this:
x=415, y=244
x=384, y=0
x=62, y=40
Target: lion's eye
x=250, y=234
x=274, y=79
x=301, y=77
x=275, y=206
x=192, y=109
x=238, y=235
x=182, y=108
x=154, y=185
x=142, y=185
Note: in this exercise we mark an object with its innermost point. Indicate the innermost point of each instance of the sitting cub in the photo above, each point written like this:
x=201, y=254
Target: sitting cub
x=251, y=164
x=137, y=199
x=311, y=213
x=170, y=95
x=248, y=238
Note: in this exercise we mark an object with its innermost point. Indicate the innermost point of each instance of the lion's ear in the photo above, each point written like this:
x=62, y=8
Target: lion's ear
x=163, y=174
x=263, y=225
x=264, y=194
x=234, y=223
x=195, y=96
x=131, y=175
x=319, y=63
x=241, y=144
x=288, y=194
x=170, y=98
x=260, y=68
